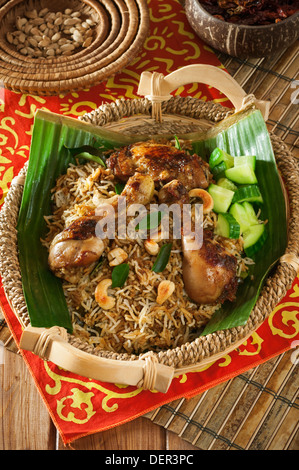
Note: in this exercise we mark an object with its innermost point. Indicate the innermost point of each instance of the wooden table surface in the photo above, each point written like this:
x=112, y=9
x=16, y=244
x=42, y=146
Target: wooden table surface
x=24, y=420
x=26, y=425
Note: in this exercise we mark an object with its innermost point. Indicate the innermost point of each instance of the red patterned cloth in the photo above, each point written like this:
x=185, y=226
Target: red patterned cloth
x=80, y=406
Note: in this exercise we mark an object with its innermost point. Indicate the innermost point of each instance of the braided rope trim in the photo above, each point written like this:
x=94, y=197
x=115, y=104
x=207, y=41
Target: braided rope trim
x=201, y=348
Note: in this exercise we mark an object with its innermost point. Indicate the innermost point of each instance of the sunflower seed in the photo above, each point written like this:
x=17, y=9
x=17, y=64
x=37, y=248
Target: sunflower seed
x=34, y=31
x=22, y=38
x=28, y=27
x=77, y=36
x=44, y=42
x=43, y=12
x=58, y=21
x=67, y=47
x=31, y=14
x=71, y=21
x=50, y=52
x=9, y=37
x=33, y=42
x=87, y=42
x=20, y=22
x=37, y=21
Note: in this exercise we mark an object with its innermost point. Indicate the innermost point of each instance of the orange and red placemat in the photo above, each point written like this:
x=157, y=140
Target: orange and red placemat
x=80, y=406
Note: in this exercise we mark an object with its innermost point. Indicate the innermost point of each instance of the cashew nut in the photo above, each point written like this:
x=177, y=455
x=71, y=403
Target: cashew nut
x=117, y=256
x=165, y=289
x=98, y=201
x=101, y=294
x=151, y=247
x=206, y=198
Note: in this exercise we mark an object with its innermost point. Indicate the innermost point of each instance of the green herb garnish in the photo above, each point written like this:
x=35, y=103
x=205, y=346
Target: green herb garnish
x=177, y=143
x=87, y=152
x=150, y=221
x=162, y=258
x=120, y=274
x=119, y=187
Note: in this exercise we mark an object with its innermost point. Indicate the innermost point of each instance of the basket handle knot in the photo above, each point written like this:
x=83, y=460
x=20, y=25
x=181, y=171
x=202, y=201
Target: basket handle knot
x=150, y=371
x=292, y=260
x=45, y=338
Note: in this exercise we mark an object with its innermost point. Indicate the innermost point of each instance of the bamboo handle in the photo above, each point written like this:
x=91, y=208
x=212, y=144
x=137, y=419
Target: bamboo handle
x=51, y=344
x=157, y=88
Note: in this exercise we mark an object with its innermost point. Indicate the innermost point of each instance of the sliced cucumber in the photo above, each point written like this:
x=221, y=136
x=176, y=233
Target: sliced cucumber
x=245, y=160
x=254, y=238
x=218, y=156
x=219, y=170
x=226, y=183
x=239, y=213
x=227, y=226
x=250, y=213
x=243, y=174
x=250, y=193
x=222, y=197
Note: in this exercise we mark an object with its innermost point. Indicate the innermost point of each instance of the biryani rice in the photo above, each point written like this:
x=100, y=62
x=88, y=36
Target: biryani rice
x=136, y=323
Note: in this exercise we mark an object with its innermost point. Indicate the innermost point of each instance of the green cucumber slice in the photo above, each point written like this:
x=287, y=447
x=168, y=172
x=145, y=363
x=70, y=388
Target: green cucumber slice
x=243, y=174
x=227, y=226
x=218, y=156
x=239, y=213
x=250, y=193
x=250, y=213
x=222, y=197
x=227, y=184
x=254, y=238
x=219, y=170
x=245, y=160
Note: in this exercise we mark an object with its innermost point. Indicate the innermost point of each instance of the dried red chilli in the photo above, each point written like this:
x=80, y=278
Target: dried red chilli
x=250, y=12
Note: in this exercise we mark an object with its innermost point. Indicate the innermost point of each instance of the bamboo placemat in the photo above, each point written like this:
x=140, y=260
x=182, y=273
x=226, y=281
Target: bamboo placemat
x=259, y=409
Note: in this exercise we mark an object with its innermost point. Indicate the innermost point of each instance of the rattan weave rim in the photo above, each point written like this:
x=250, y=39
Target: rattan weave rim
x=203, y=348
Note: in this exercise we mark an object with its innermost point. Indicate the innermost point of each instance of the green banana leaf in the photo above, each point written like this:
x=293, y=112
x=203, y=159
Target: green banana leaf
x=53, y=135
x=246, y=134
x=49, y=158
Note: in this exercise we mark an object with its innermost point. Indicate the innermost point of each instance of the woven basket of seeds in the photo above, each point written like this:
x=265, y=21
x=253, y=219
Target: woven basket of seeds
x=157, y=119
x=68, y=45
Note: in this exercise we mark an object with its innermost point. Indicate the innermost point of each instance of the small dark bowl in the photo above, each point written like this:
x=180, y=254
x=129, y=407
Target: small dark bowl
x=241, y=40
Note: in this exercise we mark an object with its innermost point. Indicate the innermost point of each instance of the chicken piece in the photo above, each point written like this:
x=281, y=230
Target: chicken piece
x=209, y=272
x=75, y=247
x=162, y=162
x=174, y=193
x=139, y=189
x=78, y=245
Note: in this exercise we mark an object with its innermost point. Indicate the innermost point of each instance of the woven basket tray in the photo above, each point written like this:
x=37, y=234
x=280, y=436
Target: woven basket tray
x=150, y=370
x=121, y=28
